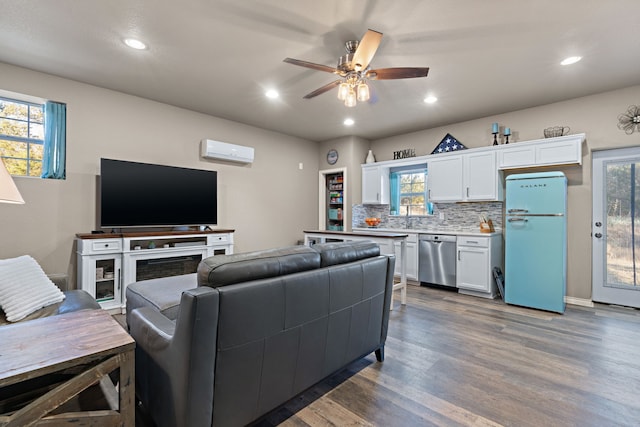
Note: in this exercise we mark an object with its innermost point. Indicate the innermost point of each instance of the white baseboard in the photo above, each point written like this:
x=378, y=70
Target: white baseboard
x=578, y=301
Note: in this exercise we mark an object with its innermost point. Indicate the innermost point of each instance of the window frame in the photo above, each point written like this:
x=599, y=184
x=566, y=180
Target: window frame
x=397, y=195
x=29, y=141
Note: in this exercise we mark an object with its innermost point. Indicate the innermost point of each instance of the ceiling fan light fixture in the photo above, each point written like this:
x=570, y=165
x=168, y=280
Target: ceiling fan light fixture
x=363, y=92
x=343, y=91
x=350, y=101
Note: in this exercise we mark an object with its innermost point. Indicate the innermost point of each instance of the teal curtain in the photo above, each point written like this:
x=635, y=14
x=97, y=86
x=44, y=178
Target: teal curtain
x=55, y=140
x=394, y=184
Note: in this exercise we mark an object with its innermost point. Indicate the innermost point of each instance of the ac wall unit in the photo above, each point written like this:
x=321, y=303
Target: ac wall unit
x=211, y=149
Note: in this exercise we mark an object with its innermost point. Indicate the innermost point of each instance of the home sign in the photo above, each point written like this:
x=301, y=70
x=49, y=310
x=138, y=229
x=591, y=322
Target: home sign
x=404, y=154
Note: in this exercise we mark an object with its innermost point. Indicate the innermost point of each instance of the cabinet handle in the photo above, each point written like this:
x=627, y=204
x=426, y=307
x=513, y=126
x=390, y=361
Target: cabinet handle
x=472, y=241
x=458, y=255
x=119, y=279
x=467, y=191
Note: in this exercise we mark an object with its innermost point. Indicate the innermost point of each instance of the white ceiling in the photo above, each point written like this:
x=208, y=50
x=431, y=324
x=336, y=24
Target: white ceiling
x=219, y=56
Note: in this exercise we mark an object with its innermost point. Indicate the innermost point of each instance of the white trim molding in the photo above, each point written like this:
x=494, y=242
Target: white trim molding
x=579, y=301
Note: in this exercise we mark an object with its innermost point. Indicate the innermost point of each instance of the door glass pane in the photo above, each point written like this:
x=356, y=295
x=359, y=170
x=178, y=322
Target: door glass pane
x=623, y=224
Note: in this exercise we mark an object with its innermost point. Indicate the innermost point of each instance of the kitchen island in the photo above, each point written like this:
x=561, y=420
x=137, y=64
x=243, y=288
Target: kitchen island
x=386, y=241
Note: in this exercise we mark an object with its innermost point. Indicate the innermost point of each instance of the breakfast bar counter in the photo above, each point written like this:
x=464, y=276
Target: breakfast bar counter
x=386, y=241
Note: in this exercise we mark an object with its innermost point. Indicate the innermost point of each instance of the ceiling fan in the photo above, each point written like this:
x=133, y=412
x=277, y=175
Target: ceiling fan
x=354, y=70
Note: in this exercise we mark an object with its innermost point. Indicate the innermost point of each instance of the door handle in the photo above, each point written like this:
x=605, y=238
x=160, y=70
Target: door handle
x=598, y=235
x=517, y=210
x=517, y=219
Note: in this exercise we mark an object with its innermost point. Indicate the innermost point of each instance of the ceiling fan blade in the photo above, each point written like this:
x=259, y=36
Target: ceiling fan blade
x=322, y=89
x=366, y=49
x=313, y=66
x=397, y=73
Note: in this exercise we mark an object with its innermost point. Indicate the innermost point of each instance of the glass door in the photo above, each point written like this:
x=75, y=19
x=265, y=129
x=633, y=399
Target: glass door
x=616, y=226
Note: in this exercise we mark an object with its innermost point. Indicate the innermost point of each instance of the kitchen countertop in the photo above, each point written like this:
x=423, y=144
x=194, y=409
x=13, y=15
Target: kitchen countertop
x=375, y=230
x=364, y=232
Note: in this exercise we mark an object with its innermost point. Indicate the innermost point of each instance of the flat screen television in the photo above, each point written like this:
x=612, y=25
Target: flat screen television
x=147, y=195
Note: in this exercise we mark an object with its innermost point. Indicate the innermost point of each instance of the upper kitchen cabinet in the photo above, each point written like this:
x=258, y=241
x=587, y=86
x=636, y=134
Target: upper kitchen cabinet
x=463, y=177
x=375, y=184
x=481, y=178
x=562, y=150
x=444, y=178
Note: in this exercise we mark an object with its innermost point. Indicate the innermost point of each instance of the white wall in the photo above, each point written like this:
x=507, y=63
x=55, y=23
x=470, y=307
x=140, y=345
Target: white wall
x=595, y=115
x=267, y=203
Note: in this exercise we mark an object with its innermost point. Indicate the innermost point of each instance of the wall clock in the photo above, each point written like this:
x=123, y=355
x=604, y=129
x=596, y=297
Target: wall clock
x=332, y=156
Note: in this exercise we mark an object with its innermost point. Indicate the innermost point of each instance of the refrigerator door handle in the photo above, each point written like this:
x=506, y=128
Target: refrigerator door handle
x=520, y=219
x=517, y=210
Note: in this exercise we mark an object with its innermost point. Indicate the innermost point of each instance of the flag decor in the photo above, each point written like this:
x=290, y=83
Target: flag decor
x=448, y=144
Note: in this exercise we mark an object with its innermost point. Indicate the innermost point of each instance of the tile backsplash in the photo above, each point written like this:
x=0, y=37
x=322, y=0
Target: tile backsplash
x=455, y=216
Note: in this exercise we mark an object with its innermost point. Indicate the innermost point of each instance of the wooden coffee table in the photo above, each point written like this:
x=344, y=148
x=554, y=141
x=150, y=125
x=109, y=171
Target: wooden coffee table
x=86, y=346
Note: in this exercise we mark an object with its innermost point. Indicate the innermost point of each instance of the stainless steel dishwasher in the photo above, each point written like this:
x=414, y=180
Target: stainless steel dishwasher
x=437, y=259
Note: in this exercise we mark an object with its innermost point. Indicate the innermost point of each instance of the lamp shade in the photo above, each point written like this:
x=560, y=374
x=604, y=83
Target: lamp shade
x=8, y=191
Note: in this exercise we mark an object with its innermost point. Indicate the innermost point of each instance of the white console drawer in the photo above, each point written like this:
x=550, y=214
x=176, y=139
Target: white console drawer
x=218, y=238
x=106, y=245
x=99, y=246
x=479, y=242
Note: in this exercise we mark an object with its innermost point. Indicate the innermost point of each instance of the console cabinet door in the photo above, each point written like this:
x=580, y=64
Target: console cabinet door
x=444, y=179
x=101, y=277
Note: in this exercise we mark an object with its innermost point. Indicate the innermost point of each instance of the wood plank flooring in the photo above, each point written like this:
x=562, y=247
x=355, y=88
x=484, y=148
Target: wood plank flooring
x=456, y=360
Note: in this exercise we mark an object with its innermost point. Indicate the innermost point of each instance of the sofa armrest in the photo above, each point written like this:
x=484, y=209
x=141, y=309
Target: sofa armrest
x=153, y=330
x=175, y=360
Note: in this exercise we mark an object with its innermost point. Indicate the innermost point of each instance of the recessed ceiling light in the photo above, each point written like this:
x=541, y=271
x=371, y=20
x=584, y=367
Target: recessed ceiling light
x=272, y=93
x=571, y=60
x=430, y=99
x=135, y=44
x=348, y=122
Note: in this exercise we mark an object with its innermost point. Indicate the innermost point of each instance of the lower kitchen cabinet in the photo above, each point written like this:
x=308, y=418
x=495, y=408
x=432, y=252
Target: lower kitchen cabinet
x=412, y=257
x=477, y=256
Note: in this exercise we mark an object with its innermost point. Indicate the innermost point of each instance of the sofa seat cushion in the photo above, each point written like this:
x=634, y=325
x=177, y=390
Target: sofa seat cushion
x=344, y=252
x=75, y=299
x=161, y=294
x=222, y=270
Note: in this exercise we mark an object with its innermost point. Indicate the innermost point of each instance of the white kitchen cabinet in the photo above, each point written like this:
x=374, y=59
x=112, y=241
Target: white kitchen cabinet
x=375, y=184
x=480, y=177
x=412, y=257
x=476, y=258
x=444, y=178
x=562, y=150
x=464, y=177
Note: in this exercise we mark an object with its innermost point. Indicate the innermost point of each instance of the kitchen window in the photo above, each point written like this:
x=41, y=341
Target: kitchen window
x=408, y=190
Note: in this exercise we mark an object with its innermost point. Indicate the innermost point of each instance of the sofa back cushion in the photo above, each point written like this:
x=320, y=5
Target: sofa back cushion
x=222, y=270
x=343, y=252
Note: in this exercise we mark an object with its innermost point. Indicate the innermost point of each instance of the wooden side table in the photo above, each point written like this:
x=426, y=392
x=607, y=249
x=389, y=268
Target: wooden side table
x=88, y=345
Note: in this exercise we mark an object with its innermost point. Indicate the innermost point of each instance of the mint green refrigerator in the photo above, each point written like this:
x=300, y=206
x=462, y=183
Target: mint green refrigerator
x=536, y=240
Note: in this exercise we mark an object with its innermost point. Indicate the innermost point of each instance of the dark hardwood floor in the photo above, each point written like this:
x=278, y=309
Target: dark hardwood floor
x=455, y=360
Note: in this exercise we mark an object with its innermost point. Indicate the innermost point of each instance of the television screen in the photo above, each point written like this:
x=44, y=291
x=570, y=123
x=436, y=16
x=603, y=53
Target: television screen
x=145, y=195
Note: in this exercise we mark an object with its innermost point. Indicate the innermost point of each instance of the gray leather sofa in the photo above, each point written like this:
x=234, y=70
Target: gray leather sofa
x=75, y=299
x=258, y=329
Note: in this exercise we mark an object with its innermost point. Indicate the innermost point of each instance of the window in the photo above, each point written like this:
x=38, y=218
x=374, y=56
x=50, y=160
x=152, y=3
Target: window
x=408, y=190
x=21, y=136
